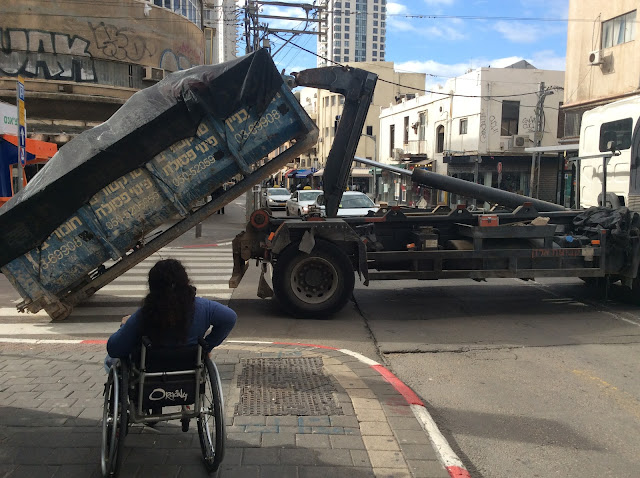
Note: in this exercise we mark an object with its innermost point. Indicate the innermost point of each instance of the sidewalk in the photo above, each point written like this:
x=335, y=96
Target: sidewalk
x=291, y=411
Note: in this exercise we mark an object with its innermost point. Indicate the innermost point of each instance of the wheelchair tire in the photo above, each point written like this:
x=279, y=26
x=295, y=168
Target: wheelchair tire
x=211, y=419
x=114, y=421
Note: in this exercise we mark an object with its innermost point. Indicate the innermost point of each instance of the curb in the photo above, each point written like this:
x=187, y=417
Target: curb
x=448, y=458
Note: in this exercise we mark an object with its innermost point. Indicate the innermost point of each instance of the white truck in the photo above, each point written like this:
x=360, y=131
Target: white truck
x=614, y=122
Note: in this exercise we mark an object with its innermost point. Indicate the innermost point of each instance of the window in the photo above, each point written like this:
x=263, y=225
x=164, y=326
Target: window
x=346, y=29
x=346, y=58
x=440, y=139
x=375, y=23
x=336, y=28
x=337, y=5
x=375, y=45
x=336, y=58
x=392, y=139
x=510, y=118
x=326, y=101
x=346, y=35
x=333, y=100
x=405, y=130
x=619, y=30
x=422, y=121
x=619, y=132
x=341, y=99
x=375, y=38
x=346, y=52
x=374, y=53
x=336, y=35
x=463, y=126
x=375, y=30
x=347, y=20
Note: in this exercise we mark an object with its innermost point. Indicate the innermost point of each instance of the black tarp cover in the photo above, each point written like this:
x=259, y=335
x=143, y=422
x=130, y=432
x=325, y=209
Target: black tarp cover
x=149, y=122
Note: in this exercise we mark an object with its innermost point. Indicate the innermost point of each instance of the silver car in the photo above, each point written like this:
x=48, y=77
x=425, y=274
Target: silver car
x=275, y=198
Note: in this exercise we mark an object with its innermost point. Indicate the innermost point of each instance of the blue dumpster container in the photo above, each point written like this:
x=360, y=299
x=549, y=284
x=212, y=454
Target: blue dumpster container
x=233, y=129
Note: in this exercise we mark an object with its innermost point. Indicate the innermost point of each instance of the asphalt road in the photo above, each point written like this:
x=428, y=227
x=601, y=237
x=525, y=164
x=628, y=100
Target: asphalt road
x=532, y=379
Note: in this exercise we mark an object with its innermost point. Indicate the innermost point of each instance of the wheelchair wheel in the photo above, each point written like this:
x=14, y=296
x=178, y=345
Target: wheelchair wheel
x=210, y=419
x=114, y=421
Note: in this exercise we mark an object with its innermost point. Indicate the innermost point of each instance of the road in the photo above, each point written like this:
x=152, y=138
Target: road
x=524, y=378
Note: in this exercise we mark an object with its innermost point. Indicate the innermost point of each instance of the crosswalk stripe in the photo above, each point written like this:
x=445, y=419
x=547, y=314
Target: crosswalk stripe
x=209, y=270
x=195, y=278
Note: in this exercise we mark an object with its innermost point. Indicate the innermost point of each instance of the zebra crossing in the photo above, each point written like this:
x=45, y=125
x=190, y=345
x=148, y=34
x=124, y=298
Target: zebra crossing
x=209, y=269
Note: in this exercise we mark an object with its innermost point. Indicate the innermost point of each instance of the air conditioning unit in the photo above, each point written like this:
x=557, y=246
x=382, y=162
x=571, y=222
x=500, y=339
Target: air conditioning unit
x=518, y=141
x=151, y=73
x=397, y=154
x=595, y=58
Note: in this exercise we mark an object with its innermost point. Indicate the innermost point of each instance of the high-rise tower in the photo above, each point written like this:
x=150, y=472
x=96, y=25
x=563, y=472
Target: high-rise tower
x=355, y=31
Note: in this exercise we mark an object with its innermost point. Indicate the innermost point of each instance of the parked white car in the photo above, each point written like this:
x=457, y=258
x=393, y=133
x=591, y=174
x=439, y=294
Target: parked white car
x=275, y=198
x=353, y=203
x=298, y=204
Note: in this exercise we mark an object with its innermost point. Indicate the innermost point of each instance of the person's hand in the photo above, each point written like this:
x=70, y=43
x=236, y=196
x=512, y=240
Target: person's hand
x=124, y=319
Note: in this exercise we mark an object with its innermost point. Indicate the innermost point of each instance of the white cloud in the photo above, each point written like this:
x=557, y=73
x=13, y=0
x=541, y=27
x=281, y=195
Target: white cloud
x=450, y=29
x=545, y=60
x=519, y=32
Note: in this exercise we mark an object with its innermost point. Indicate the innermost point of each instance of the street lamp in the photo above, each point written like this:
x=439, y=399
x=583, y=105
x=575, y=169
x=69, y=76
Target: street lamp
x=375, y=158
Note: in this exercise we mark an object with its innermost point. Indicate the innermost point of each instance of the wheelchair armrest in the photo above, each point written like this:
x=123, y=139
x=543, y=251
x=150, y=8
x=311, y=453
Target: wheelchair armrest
x=203, y=343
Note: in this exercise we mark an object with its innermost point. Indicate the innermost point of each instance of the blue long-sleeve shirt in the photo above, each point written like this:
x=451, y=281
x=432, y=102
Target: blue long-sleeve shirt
x=206, y=313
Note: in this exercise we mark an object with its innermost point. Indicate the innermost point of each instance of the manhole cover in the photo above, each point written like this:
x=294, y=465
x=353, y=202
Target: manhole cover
x=286, y=386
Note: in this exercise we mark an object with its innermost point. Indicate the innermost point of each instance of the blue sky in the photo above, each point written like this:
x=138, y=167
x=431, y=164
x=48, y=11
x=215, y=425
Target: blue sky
x=450, y=46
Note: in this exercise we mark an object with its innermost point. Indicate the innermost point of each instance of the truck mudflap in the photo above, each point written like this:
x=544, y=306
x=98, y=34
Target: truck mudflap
x=86, y=218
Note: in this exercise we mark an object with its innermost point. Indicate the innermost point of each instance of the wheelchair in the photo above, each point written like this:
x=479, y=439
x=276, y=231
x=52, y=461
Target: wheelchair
x=183, y=380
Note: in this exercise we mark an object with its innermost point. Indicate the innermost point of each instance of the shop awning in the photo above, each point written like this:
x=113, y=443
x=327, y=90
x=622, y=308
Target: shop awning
x=303, y=173
x=361, y=173
x=290, y=173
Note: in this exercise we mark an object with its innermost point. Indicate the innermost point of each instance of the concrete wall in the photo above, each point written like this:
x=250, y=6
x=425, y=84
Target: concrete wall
x=620, y=73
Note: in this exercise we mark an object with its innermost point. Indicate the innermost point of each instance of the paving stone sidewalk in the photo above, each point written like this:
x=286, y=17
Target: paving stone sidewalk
x=291, y=411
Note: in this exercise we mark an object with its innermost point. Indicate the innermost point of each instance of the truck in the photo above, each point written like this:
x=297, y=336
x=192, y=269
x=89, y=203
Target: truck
x=312, y=261
x=611, y=123
x=94, y=210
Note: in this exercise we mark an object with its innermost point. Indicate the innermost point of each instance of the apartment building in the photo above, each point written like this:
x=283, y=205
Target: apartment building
x=82, y=60
x=602, y=58
x=353, y=31
x=392, y=86
x=476, y=128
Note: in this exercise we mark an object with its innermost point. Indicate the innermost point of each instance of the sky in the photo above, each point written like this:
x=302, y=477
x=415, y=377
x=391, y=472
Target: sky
x=465, y=34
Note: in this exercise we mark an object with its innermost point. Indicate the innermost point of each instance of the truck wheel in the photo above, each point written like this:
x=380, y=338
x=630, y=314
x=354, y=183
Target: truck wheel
x=313, y=285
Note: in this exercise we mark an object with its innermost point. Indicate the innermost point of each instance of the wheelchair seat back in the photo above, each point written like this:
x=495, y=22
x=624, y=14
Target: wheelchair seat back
x=168, y=375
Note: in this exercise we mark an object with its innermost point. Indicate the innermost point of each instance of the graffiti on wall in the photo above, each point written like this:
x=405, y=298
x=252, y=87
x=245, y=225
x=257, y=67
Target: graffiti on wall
x=172, y=61
x=120, y=43
x=45, y=54
x=529, y=124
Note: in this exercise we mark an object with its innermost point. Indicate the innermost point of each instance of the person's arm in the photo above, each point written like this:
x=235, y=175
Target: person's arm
x=222, y=320
x=125, y=339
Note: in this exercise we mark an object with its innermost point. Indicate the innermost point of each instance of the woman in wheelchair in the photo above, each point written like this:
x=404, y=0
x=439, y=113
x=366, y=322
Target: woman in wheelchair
x=160, y=358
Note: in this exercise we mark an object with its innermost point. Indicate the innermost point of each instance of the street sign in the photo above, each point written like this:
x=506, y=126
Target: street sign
x=22, y=129
x=499, y=167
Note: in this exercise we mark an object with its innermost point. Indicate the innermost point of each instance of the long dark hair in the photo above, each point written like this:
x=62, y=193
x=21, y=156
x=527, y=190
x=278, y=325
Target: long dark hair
x=167, y=311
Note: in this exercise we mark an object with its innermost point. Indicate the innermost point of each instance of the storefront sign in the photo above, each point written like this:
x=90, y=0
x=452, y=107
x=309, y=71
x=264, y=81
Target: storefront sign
x=8, y=119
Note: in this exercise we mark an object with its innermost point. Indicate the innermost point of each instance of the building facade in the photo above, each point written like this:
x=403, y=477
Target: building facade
x=82, y=60
x=391, y=86
x=476, y=129
x=602, y=58
x=221, y=30
x=352, y=31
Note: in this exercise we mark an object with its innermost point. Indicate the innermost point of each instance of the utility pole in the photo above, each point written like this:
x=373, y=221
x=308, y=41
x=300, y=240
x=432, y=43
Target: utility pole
x=537, y=140
x=256, y=34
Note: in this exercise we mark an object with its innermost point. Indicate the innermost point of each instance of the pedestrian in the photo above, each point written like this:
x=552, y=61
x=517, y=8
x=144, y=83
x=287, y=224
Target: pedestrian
x=171, y=315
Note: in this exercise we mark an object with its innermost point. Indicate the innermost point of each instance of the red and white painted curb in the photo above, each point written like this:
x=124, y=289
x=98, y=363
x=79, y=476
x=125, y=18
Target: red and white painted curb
x=446, y=455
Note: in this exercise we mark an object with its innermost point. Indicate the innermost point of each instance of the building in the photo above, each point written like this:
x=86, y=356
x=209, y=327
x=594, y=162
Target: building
x=353, y=31
x=475, y=128
x=602, y=58
x=82, y=60
x=391, y=87
x=221, y=34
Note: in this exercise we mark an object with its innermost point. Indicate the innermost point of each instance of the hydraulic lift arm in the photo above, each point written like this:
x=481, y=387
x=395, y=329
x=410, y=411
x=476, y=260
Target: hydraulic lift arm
x=357, y=87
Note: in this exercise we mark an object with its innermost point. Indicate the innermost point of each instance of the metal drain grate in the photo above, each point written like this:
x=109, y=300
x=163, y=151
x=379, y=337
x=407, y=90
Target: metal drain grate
x=286, y=386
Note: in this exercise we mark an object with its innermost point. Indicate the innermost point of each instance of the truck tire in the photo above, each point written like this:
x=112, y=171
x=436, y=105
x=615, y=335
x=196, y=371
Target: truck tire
x=314, y=285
